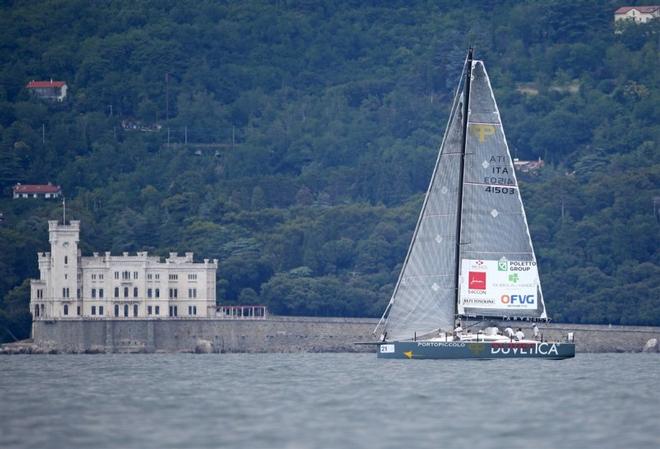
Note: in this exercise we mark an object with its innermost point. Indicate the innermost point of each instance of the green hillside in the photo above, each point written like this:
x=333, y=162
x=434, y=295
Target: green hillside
x=294, y=140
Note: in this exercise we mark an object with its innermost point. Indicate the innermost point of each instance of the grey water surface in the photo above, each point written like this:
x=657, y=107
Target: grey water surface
x=327, y=401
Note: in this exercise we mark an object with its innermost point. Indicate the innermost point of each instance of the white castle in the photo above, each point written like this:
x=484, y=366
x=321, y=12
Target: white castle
x=118, y=287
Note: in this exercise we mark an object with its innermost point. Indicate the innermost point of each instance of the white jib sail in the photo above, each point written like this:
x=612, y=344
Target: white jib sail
x=425, y=296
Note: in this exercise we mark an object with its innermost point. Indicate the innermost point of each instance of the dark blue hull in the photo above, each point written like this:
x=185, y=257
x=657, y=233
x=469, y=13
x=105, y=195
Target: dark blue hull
x=474, y=350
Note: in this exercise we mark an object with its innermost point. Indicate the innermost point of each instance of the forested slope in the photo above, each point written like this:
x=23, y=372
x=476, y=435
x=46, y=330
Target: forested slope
x=302, y=135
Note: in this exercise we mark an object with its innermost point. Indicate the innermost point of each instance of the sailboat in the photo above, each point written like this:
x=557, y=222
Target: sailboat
x=471, y=257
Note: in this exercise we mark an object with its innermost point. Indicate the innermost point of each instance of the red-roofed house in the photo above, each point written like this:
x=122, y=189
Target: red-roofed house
x=50, y=90
x=528, y=166
x=637, y=14
x=37, y=191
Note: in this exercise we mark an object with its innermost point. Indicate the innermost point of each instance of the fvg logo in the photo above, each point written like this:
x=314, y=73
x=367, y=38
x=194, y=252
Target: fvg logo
x=518, y=299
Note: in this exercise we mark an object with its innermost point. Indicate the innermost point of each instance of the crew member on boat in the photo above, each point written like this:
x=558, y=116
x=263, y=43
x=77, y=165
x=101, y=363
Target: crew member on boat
x=520, y=335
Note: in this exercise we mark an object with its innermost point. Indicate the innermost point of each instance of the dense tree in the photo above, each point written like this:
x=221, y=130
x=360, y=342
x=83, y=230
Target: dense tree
x=293, y=141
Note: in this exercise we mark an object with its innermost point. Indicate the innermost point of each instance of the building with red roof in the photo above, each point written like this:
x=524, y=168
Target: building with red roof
x=637, y=14
x=37, y=191
x=49, y=90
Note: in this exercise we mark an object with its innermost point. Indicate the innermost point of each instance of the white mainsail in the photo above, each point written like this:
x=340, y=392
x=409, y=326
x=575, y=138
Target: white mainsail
x=493, y=231
x=499, y=275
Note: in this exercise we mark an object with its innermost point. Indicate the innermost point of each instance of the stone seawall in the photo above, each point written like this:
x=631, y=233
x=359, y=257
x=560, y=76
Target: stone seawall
x=275, y=334
x=282, y=334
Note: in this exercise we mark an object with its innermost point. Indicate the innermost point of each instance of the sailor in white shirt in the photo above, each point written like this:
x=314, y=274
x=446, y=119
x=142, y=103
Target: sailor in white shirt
x=508, y=332
x=535, y=329
x=520, y=335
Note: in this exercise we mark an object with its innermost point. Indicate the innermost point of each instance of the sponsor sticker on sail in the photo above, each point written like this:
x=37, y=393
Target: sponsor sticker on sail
x=477, y=280
x=499, y=284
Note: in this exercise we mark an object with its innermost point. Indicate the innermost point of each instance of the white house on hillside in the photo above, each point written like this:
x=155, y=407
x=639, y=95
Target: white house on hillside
x=118, y=287
x=36, y=191
x=637, y=14
x=49, y=90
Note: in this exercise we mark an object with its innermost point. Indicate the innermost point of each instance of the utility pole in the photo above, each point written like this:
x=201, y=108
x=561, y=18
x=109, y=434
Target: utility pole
x=167, y=99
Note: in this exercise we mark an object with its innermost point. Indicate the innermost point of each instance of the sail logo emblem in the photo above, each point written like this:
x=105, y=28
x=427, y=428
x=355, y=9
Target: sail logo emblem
x=503, y=264
x=518, y=299
x=513, y=278
x=481, y=131
x=477, y=280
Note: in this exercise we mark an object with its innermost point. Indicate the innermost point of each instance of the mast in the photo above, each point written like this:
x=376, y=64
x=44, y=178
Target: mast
x=466, y=103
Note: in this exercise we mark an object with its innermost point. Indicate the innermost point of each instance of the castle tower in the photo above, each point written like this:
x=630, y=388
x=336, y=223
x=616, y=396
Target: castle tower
x=65, y=286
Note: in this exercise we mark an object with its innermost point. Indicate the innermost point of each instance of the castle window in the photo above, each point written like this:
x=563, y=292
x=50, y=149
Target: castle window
x=135, y=292
x=93, y=277
x=126, y=275
x=101, y=310
x=149, y=310
x=135, y=310
x=174, y=293
x=149, y=292
x=116, y=310
x=192, y=277
x=125, y=292
x=78, y=310
x=156, y=276
x=125, y=310
x=174, y=277
x=66, y=260
x=116, y=292
x=135, y=275
x=100, y=293
x=93, y=293
x=36, y=310
x=66, y=309
x=149, y=276
x=93, y=310
x=157, y=310
x=116, y=274
x=157, y=293
x=100, y=276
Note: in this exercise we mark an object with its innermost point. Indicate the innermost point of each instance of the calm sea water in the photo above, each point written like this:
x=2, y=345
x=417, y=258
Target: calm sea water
x=327, y=401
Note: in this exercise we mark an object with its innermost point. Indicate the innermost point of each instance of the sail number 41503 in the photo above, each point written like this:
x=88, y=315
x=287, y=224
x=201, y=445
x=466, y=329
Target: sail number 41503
x=505, y=190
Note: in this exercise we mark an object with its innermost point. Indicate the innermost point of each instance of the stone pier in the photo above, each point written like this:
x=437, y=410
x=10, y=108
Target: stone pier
x=282, y=334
